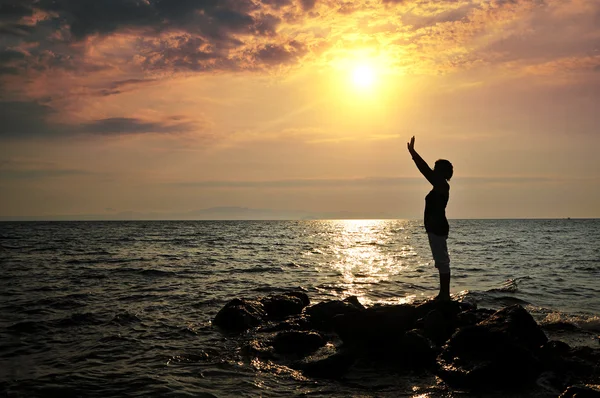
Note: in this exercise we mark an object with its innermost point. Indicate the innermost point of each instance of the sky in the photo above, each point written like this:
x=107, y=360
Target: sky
x=169, y=107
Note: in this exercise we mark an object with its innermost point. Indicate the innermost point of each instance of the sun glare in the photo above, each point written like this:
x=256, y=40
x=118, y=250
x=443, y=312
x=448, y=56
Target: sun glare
x=363, y=76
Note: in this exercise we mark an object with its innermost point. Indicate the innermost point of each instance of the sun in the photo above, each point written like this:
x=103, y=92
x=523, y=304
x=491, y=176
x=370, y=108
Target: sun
x=363, y=76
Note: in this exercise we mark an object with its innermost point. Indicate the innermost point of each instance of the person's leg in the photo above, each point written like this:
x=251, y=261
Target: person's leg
x=439, y=250
x=444, y=286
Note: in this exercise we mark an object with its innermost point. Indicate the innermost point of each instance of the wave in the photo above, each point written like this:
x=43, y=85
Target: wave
x=28, y=327
x=260, y=270
x=157, y=272
x=590, y=323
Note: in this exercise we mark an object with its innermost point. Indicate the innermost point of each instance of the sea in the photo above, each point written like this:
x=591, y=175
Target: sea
x=125, y=309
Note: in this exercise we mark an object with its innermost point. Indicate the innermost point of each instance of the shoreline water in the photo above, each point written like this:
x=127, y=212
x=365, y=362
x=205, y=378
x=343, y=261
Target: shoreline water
x=99, y=306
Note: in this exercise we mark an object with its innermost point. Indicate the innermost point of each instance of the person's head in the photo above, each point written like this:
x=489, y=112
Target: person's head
x=445, y=168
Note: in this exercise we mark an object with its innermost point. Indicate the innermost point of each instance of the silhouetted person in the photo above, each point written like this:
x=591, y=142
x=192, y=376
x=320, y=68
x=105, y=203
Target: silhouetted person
x=436, y=223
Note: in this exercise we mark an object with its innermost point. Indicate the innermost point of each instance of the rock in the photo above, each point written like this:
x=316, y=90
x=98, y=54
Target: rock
x=376, y=327
x=438, y=326
x=554, y=348
x=298, y=343
x=450, y=308
x=321, y=315
x=514, y=366
x=497, y=352
x=295, y=322
x=508, y=326
x=282, y=305
x=332, y=367
x=239, y=315
x=302, y=296
x=415, y=350
x=580, y=392
x=472, y=317
x=256, y=350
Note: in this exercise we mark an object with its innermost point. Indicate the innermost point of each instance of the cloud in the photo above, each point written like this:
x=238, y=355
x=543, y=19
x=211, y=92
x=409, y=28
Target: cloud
x=121, y=86
x=53, y=53
x=25, y=119
x=11, y=169
x=124, y=125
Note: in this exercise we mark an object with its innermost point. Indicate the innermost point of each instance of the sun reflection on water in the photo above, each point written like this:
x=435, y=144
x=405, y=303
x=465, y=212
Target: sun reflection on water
x=367, y=253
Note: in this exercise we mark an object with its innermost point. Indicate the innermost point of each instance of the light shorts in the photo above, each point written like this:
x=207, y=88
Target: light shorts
x=439, y=249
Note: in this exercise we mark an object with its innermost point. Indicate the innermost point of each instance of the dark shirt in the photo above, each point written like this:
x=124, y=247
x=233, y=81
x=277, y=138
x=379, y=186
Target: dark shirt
x=435, y=212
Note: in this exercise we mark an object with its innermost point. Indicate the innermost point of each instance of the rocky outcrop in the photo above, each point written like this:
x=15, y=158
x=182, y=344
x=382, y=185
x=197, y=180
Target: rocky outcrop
x=468, y=348
x=239, y=315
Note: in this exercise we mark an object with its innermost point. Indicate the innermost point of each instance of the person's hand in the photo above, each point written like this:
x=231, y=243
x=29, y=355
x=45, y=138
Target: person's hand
x=411, y=144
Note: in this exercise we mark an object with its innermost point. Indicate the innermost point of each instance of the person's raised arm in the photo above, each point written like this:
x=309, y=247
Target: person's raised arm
x=421, y=164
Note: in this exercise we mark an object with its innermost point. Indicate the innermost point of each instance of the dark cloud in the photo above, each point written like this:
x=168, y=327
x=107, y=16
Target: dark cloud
x=21, y=119
x=275, y=55
x=308, y=4
x=14, y=9
x=124, y=125
x=7, y=66
x=280, y=54
x=120, y=86
x=10, y=55
x=277, y=4
x=15, y=29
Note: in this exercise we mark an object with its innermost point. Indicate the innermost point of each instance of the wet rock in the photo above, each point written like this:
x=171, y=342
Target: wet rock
x=554, y=348
x=257, y=350
x=450, y=309
x=472, y=317
x=297, y=322
x=511, y=325
x=298, y=343
x=581, y=392
x=375, y=326
x=438, y=326
x=415, y=350
x=239, y=315
x=497, y=352
x=332, y=367
x=283, y=305
x=322, y=314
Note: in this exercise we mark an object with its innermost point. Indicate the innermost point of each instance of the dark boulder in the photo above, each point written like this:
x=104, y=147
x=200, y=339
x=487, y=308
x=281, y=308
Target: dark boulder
x=500, y=351
x=239, y=315
x=283, y=305
x=472, y=317
x=322, y=314
x=415, y=351
x=509, y=326
x=375, y=328
x=298, y=343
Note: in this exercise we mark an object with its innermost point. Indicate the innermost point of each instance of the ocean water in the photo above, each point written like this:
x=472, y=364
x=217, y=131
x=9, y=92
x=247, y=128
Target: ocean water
x=99, y=309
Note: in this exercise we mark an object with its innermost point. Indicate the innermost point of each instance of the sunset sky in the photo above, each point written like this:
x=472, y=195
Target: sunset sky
x=172, y=106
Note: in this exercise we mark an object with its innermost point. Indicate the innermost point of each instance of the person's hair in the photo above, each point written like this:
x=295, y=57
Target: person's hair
x=445, y=167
